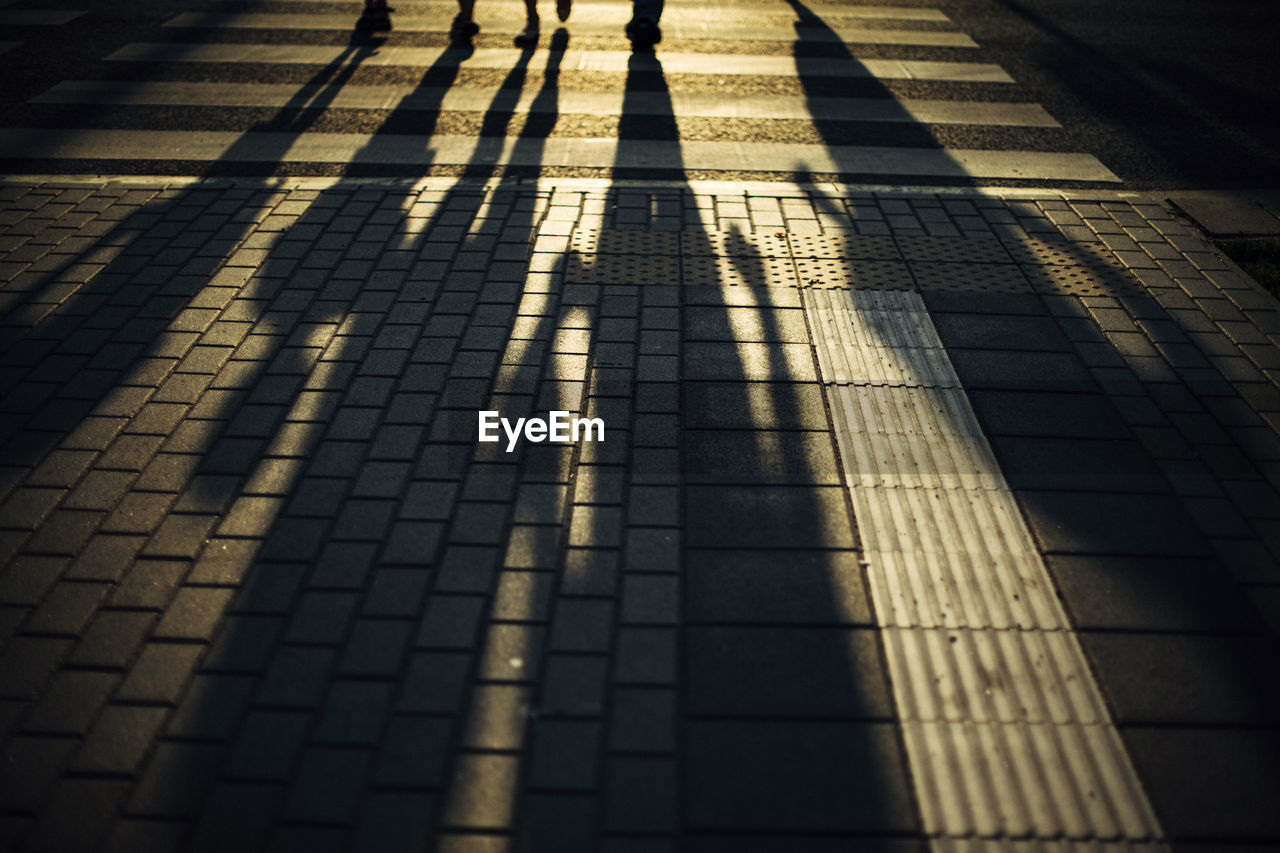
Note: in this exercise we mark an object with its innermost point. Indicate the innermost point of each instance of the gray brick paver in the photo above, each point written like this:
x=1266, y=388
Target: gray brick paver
x=333, y=616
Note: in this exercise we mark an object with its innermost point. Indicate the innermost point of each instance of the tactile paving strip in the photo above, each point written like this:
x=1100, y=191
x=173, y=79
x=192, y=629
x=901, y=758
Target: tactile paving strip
x=738, y=272
x=869, y=275
x=1082, y=281
x=735, y=243
x=622, y=242
x=621, y=269
x=867, y=247
x=981, y=278
x=956, y=250
x=1006, y=732
x=1032, y=251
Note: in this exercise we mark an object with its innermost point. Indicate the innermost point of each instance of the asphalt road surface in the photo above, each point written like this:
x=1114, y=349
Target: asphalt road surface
x=1140, y=95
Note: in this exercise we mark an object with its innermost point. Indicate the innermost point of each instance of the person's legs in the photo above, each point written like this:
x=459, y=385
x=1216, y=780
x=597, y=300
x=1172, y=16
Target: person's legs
x=374, y=17
x=529, y=35
x=464, y=25
x=651, y=9
x=643, y=29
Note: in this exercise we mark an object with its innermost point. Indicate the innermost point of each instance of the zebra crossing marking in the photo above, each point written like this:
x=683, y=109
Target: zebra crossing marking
x=423, y=151
x=482, y=98
x=592, y=27
x=616, y=61
x=506, y=9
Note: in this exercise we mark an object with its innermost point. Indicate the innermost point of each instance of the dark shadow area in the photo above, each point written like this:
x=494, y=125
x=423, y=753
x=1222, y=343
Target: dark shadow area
x=786, y=727
x=1142, y=473
x=255, y=543
x=1184, y=91
x=264, y=589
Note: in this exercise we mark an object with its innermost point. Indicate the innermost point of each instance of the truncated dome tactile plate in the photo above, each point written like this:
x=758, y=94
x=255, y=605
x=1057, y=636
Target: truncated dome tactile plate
x=1082, y=281
x=863, y=275
x=1031, y=251
x=957, y=250
x=990, y=278
x=765, y=244
x=739, y=272
x=856, y=246
x=618, y=242
x=621, y=269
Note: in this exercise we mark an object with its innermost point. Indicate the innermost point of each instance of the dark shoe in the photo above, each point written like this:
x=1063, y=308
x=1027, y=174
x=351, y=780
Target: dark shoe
x=563, y=7
x=463, y=31
x=528, y=36
x=643, y=32
x=373, y=19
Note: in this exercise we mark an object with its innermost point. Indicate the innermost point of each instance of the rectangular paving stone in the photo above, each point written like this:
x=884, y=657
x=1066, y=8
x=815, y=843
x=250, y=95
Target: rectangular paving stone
x=751, y=362
x=737, y=405
x=1058, y=372
x=790, y=775
x=1030, y=413
x=641, y=795
x=119, y=739
x=643, y=720
x=999, y=332
x=789, y=672
x=1043, y=462
x=78, y=813
x=1066, y=522
x=646, y=655
x=482, y=793
x=297, y=677
x=71, y=702
x=768, y=517
x=763, y=324
x=194, y=613
x=760, y=456
x=1187, y=680
x=414, y=752
x=1152, y=594
x=328, y=785
x=565, y=754
x=1212, y=783
x=160, y=672
x=787, y=587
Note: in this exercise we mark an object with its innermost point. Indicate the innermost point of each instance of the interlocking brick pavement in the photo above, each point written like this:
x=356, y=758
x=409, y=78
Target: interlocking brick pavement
x=262, y=587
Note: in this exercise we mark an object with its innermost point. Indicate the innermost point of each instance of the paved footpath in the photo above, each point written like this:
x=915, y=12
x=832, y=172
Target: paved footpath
x=922, y=519
x=937, y=519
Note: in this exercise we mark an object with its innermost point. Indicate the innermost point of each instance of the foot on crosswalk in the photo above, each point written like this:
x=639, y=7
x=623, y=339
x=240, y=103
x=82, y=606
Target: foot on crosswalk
x=374, y=18
x=528, y=37
x=643, y=32
x=462, y=31
x=563, y=8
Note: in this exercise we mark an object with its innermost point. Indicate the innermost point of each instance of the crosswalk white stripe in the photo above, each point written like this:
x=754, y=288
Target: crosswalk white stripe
x=422, y=151
x=673, y=11
x=616, y=61
x=481, y=99
x=38, y=17
x=727, y=30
